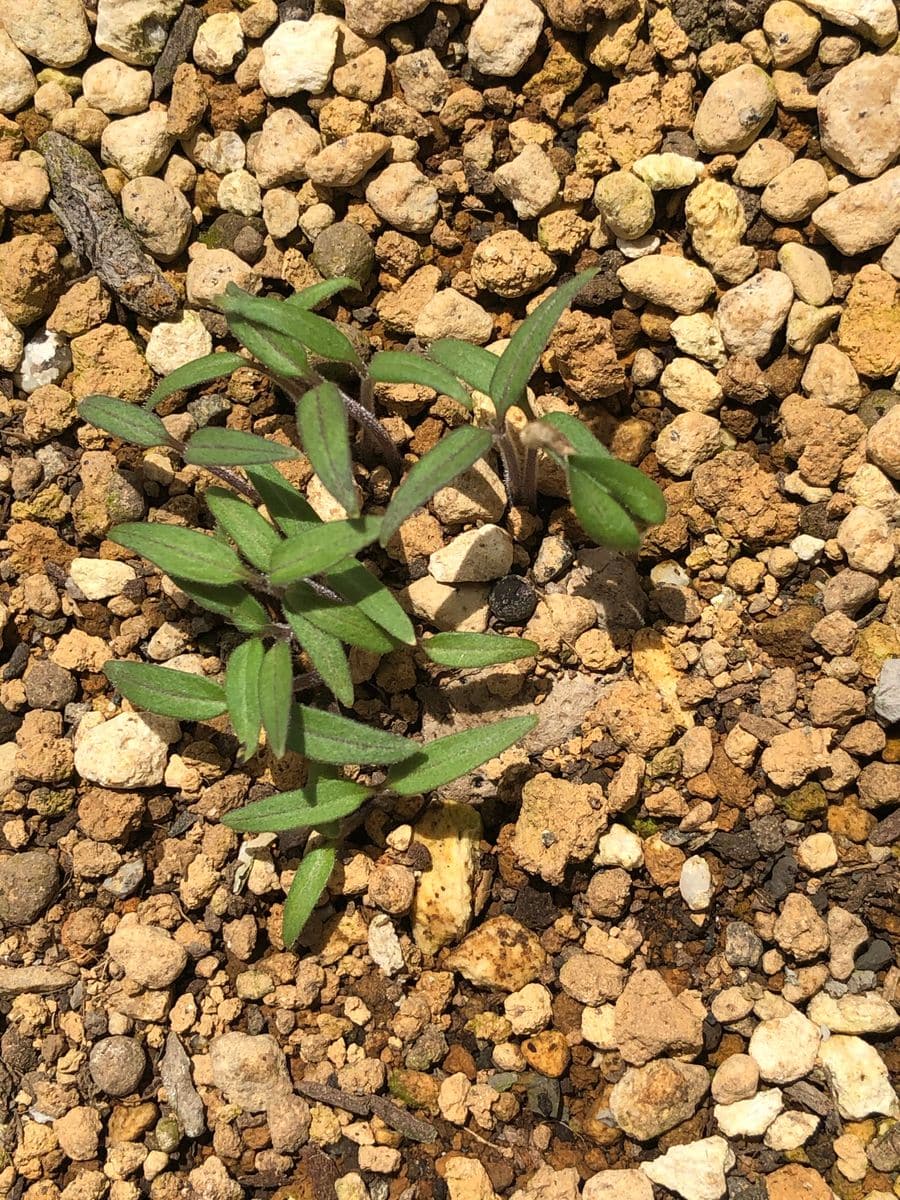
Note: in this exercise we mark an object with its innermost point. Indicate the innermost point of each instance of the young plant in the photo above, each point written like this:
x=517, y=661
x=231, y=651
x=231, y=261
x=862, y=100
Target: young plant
x=290, y=582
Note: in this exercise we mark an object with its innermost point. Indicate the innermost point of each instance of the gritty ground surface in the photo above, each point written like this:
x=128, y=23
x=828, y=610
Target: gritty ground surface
x=654, y=951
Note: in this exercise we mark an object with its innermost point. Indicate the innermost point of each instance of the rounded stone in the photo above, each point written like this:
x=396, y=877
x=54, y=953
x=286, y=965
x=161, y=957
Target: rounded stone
x=734, y=110
x=625, y=203
x=116, y=1065
x=28, y=882
x=513, y=600
x=344, y=249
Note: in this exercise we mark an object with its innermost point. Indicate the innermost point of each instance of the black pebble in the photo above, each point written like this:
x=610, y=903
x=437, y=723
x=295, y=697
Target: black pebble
x=513, y=600
x=878, y=955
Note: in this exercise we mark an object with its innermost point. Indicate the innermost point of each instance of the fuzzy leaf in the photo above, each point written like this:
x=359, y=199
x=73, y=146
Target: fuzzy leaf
x=306, y=808
x=251, y=532
x=322, y=422
x=201, y=370
x=452, y=455
x=473, y=364
x=357, y=584
x=343, y=621
x=216, y=447
x=284, y=504
x=329, y=738
x=477, y=649
x=638, y=494
x=124, y=420
x=451, y=757
x=321, y=336
x=276, y=693
x=275, y=351
x=242, y=694
x=601, y=517
x=325, y=652
x=322, y=547
x=576, y=434
x=306, y=890
x=403, y=366
x=181, y=552
x=231, y=601
x=521, y=356
x=166, y=691
x=317, y=293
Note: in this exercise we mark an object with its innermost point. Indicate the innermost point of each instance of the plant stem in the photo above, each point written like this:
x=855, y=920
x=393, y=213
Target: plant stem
x=509, y=461
x=224, y=473
x=373, y=428
x=529, y=479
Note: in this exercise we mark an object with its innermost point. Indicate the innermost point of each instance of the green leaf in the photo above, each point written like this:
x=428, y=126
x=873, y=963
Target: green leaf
x=310, y=807
x=341, y=620
x=369, y=595
x=275, y=351
x=216, y=447
x=242, y=694
x=452, y=455
x=527, y=344
x=577, y=435
x=166, y=691
x=329, y=738
x=182, y=552
x=630, y=487
x=477, y=649
x=276, y=693
x=284, y=504
x=251, y=532
x=403, y=366
x=325, y=652
x=317, y=293
x=321, y=336
x=601, y=517
x=306, y=890
x=322, y=421
x=317, y=549
x=126, y=421
x=448, y=758
x=201, y=370
x=231, y=601
x=473, y=364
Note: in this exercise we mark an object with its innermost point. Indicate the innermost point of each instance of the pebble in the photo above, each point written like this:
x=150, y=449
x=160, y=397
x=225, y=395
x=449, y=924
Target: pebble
x=128, y=751
x=667, y=172
x=116, y=1065
x=55, y=32
x=817, y=853
x=46, y=359
x=134, y=31
x=116, y=89
x=617, y=1185
x=695, y=884
x=503, y=36
x=883, y=442
x=500, y=954
x=299, y=56
x=796, y=191
x=626, y=204
x=865, y=537
x=171, y=344
x=219, y=43
x=751, y=314
x=476, y=556
x=137, y=145
x=695, y=1170
x=450, y=314
x=859, y=115
x=810, y=276
x=751, y=1117
x=344, y=163
x=210, y=272
x=875, y=20
x=715, y=219
x=449, y=609
x=529, y=182
x=17, y=82
x=443, y=902
x=867, y=1012
x=250, y=1070
x=859, y=1078
x=699, y=336
x=404, y=198
x=799, y=930
x=785, y=1048
x=148, y=955
x=791, y=1130
x=513, y=600
x=159, y=214
x=688, y=440
x=737, y=1078
x=670, y=281
x=690, y=386
x=509, y=265
x=29, y=880
x=791, y=32
x=886, y=697
x=862, y=217
x=650, y=1100
x=734, y=110
x=370, y=17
